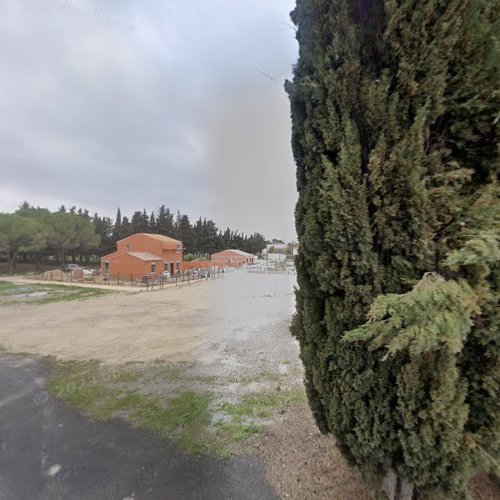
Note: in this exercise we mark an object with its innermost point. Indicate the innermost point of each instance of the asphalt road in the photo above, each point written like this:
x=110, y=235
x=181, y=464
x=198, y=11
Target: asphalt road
x=49, y=452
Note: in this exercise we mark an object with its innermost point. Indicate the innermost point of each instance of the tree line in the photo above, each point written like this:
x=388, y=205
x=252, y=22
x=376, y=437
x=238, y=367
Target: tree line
x=34, y=234
x=199, y=238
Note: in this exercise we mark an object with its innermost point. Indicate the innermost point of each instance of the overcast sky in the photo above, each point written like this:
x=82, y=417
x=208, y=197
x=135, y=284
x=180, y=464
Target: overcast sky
x=107, y=103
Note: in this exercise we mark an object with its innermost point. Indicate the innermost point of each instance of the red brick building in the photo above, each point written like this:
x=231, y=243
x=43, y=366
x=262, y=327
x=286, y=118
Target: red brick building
x=142, y=255
x=233, y=258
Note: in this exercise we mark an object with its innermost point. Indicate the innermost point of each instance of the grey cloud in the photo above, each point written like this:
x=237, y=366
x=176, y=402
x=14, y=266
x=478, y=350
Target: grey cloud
x=136, y=104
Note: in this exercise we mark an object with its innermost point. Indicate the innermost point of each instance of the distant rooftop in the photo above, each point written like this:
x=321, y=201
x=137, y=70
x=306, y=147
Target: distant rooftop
x=160, y=237
x=144, y=256
x=239, y=252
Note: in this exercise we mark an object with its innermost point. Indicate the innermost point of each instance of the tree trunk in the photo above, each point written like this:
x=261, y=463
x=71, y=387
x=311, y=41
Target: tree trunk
x=390, y=484
x=396, y=487
x=12, y=262
x=61, y=258
x=405, y=489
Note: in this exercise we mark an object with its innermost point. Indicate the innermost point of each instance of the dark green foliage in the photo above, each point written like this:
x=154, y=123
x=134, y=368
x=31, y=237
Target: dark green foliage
x=20, y=234
x=67, y=232
x=394, y=110
x=104, y=229
x=140, y=222
x=165, y=221
x=185, y=234
x=200, y=239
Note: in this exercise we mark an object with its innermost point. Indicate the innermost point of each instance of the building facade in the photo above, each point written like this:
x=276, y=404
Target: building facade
x=141, y=255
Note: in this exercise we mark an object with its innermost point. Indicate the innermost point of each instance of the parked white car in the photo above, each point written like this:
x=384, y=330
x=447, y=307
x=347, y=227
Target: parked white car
x=88, y=272
x=71, y=267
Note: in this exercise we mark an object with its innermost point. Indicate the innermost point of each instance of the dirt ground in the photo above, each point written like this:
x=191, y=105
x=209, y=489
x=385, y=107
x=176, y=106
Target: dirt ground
x=173, y=324
x=228, y=336
x=301, y=463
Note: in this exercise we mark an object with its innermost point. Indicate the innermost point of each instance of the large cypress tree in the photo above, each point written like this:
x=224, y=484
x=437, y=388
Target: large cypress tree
x=394, y=110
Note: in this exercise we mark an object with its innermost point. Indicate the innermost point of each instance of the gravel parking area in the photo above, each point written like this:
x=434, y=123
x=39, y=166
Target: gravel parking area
x=193, y=322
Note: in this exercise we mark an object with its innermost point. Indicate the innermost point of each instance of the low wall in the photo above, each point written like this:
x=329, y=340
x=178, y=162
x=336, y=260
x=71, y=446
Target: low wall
x=208, y=264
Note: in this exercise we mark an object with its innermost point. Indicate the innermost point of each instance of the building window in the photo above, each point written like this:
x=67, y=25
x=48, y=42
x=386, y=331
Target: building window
x=106, y=266
x=153, y=268
x=165, y=266
x=178, y=264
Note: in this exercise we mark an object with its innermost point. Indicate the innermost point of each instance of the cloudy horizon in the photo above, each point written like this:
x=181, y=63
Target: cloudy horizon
x=136, y=105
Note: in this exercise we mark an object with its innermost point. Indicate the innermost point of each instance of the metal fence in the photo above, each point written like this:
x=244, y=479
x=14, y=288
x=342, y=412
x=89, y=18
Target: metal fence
x=148, y=282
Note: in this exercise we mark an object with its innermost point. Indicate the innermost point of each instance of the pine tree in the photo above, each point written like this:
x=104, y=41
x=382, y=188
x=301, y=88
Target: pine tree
x=118, y=218
x=394, y=110
x=140, y=222
x=165, y=222
x=185, y=234
x=127, y=228
x=210, y=238
x=103, y=227
x=145, y=221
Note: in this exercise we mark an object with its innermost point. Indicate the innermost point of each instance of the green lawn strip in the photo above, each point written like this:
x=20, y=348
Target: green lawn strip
x=246, y=416
x=55, y=293
x=8, y=288
x=261, y=405
x=72, y=293
x=186, y=416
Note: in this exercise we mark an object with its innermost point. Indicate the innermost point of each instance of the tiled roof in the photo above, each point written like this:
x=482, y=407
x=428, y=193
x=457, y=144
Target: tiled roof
x=160, y=237
x=144, y=255
x=239, y=252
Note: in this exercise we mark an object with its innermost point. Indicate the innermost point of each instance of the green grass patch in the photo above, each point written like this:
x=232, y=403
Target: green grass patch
x=8, y=288
x=186, y=416
x=237, y=431
x=91, y=388
x=17, y=293
x=263, y=405
x=247, y=417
